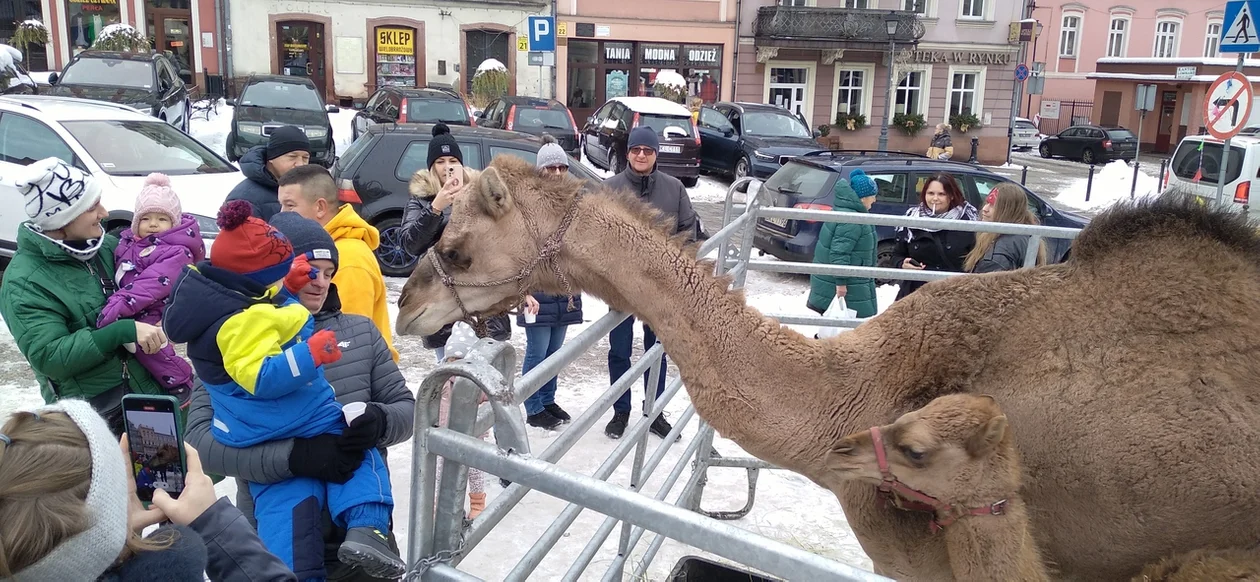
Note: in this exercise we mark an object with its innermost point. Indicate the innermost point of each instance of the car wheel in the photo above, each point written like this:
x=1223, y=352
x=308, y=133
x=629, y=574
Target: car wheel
x=1089, y=157
x=230, y=146
x=690, y=182
x=395, y=261
x=884, y=258
x=1044, y=150
x=742, y=167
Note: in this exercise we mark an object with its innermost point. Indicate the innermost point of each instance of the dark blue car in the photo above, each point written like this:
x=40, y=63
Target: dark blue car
x=750, y=139
x=806, y=182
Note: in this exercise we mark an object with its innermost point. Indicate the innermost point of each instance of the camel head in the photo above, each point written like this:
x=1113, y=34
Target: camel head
x=951, y=449
x=488, y=239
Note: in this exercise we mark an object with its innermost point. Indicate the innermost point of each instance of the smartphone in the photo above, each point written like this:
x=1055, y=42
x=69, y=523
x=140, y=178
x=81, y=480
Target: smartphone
x=155, y=435
x=915, y=263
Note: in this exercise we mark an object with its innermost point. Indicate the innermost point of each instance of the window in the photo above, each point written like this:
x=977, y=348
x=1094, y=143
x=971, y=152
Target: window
x=1166, y=39
x=1204, y=167
x=855, y=4
x=909, y=97
x=1117, y=37
x=1069, y=36
x=851, y=92
x=137, y=148
x=793, y=2
x=916, y=6
x=1212, y=43
x=963, y=92
x=711, y=119
x=417, y=152
x=24, y=141
x=890, y=187
x=973, y=8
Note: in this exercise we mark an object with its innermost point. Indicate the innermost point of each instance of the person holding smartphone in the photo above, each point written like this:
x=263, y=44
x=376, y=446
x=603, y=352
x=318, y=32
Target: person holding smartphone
x=930, y=248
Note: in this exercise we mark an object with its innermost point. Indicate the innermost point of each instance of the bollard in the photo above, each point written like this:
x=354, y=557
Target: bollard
x=975, y=145
x=1023, y=176
x=1133, y=186
x=1163, y=166
x=1089, y=183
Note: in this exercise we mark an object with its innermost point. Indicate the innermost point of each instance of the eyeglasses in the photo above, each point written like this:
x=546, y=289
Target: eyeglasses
x=642, y=151
x=556, y=169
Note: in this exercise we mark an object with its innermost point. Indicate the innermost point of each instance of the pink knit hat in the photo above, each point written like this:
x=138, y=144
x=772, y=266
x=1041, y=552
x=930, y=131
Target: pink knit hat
x=157, y=196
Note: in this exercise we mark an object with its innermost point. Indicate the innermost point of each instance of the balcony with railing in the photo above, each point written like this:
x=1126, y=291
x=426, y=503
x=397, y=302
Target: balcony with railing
x=834, y=28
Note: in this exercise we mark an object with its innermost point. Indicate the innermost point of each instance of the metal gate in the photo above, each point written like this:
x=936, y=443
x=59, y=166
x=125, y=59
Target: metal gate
x=439, y=535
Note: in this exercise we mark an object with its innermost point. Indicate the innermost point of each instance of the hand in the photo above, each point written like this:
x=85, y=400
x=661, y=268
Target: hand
x=138, y=517
x=323, y=346
x=300, y=275
x=910, y=264
x=531, y=305
x=446, y=195
x=150, y=338
x=319, y=457
x=198, y=494
x=841, y=290
x=365, y=432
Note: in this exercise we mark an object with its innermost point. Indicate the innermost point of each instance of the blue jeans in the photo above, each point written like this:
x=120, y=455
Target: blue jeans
x=620, y=346
x=541, y=342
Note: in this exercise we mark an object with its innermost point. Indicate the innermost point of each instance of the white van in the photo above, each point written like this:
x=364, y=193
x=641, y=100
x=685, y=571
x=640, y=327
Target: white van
x=1196, y=166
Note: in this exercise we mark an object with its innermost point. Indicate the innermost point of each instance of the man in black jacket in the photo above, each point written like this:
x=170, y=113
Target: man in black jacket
x=667, y=194
x=263, y=165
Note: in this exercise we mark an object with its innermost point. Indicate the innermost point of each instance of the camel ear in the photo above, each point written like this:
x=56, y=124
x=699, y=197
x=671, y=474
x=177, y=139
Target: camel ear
x=493, y=193
x=987, y=437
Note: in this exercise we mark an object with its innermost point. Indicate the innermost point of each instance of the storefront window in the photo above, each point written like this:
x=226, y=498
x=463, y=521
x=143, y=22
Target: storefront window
x=85, y=19
x=582, y=88
x=395, y=56
x=12, y=13
x=599, y=71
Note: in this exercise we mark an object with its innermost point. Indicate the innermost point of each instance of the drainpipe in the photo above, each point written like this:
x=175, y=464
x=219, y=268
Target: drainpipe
x=225, y=34
x=218, y=22
x=734, y=65
x=555, y=18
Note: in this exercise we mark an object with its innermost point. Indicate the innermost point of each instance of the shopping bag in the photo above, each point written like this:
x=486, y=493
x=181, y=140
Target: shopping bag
x=837, y=310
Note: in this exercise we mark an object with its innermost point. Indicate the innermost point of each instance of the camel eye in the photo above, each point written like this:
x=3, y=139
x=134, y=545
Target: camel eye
x=454, y=259
x=912, y=454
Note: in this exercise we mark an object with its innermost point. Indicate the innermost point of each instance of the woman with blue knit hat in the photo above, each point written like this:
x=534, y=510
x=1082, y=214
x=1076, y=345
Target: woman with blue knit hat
x=847, y=244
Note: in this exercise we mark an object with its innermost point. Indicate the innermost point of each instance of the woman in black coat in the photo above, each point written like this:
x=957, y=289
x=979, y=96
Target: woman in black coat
x=934, y=249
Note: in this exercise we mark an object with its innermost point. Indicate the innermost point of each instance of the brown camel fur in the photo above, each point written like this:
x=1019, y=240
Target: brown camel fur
x=1131, y=370
x=1205, y=566
x=958, y=449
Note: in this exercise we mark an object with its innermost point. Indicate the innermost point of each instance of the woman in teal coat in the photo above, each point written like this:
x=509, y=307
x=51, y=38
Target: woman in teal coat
x=847, y=244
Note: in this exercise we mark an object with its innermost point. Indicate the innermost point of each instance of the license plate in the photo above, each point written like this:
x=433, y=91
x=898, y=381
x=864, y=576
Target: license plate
x=671, y=149
x=779, y=222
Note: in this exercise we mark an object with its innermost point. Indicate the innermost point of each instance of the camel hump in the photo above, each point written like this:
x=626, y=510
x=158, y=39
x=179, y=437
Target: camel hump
x=1181, y=217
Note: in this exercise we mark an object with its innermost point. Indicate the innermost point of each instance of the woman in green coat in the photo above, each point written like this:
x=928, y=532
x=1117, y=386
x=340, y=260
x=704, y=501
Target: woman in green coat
x=847, y=244
x=55, y=287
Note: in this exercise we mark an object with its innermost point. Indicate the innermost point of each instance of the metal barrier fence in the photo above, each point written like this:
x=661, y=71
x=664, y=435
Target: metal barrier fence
x=440, y=537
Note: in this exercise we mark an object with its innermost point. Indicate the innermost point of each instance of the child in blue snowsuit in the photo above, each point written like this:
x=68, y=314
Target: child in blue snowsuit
x=256, y=350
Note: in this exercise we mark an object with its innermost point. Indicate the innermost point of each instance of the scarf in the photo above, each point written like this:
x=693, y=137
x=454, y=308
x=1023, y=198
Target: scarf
x=84, y=251
x=964, y=212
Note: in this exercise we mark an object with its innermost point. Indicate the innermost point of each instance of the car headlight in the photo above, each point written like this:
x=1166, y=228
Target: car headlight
x=250, y=128
x=764, y=157
x=316, y=132
x=209, y=228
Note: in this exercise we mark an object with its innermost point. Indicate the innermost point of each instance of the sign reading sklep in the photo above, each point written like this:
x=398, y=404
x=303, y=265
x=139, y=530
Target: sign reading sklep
x=395, y=41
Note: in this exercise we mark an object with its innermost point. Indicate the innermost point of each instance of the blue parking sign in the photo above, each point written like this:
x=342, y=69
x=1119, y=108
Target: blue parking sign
x=542, y=33
x=1238, y=31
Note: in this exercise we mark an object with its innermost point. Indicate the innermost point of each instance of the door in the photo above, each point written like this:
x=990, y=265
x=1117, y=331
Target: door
x=172, y=32
x=1110, y=108
x=23, y=140
x=787, y=89
x=170, y=91
x=300, y=48
x=718, y=141
x=617, y=125
x=363, y=118
x=1167, y=108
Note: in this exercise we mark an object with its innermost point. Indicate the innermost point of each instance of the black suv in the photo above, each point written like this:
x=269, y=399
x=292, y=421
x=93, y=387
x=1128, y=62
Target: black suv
x=534, y=116
x=407, y=105
x=1092, y=144
x=149, y=82
x=378, y=167
x=806, y=182
x=750, y=139
x=271, y=101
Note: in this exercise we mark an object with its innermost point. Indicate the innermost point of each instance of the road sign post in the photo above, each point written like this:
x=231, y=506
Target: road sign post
x=1239, y=35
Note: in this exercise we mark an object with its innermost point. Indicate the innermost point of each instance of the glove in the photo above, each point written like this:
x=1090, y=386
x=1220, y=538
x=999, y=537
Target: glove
x=366, y=431
x=300, y=274
x=323, y=346
x=320, y=458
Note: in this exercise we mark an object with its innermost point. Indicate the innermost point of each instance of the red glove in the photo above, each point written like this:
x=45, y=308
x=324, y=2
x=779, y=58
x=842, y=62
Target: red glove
x=323, y=345
x=300, y=274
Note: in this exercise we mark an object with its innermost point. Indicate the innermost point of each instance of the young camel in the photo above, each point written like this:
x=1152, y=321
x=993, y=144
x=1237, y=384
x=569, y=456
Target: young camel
x=956, y=458
x=1130, y=370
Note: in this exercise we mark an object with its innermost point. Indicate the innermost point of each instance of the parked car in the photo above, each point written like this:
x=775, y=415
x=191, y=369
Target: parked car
x=1197, y=164
x=750, y=139
x=271, y=101
x=1091, y=144
x=15, y=80
x=806, y=182
x=118, y=146
x=408, y=105
x=606, y=132
x=146, y=82
x=378, y=166
x=1026, y=135
x=450, y=89
x=533, y=116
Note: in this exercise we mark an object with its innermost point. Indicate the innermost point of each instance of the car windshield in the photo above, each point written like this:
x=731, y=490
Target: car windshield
x=112, y=72
x=275, y=95
x=1025, y=125
x=773, y=125
x=1120, y=134
x=435, y=110
x=667, y=125
x=796, y=178
x=138, y=148
x=542, y=118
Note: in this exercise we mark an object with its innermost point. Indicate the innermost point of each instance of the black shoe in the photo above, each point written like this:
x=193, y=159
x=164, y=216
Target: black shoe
x=543, y=419
x=617, y=426
x=368, y=548
x=557, y=412
x=661, y=427
x=505, y=483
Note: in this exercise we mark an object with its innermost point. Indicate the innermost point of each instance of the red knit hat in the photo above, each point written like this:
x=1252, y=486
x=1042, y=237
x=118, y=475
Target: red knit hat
x=248, y=246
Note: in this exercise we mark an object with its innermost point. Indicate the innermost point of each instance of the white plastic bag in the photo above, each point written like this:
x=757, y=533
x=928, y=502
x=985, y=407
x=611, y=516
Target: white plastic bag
x=837, y=310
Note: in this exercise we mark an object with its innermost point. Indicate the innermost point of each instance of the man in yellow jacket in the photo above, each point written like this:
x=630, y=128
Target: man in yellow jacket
x=310, y=192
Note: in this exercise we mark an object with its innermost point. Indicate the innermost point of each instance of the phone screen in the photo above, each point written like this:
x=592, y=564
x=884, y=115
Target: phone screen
x=156, y=443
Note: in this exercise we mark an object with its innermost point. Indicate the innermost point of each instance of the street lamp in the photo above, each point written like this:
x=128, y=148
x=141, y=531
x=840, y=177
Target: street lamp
x=890, y=23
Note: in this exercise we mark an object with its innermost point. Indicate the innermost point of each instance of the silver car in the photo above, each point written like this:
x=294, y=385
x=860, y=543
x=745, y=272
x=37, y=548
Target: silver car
x=1026, y=136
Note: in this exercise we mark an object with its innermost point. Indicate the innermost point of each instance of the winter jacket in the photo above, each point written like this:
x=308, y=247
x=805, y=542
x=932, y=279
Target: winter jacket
x=942, y=140
x=943, y=250
x=220, y=545
x=553, y=310
x=358, y=272
x=249, y=350
x=421, y=228
x=845, y=244
x=663, y=192
x=259, y=187
x=50, y=301
x=1007, y=254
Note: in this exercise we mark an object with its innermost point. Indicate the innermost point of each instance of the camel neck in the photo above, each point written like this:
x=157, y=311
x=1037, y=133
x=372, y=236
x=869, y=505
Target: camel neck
x=995, y=547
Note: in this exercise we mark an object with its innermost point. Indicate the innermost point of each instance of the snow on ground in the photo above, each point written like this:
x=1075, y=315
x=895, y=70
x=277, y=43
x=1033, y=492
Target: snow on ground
x=1111, y=184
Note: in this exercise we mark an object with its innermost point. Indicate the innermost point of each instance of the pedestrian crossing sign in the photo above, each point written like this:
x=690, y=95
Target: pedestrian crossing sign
x=1239, y=33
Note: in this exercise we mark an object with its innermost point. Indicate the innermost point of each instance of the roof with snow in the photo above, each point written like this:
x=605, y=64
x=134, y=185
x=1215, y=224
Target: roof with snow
x=654, y=105
x=1206, y=61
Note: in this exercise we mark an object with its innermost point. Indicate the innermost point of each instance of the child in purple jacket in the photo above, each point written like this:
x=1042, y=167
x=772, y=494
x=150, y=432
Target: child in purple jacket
x=151, y=254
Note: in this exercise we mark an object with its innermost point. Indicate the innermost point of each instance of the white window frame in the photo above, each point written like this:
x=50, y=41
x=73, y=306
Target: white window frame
x=868, y=89
x=1076, y=34
x=1123, y=34
x=795, y=3
x=977, y=100
x=925, y=95
x=908, y=6
x=986, y=9
x=866, y=4
x=1176, y=37
x=811, y=82
x=1212, y=43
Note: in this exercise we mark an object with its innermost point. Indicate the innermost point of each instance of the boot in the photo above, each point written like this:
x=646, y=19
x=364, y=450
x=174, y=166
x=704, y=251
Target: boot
x=543, y=420
x=557, y=412
x=368, y=548
x=476, y=504
x=617, y=426
x=661, y=427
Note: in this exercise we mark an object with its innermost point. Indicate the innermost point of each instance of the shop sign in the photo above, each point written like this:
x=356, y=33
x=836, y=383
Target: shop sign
x=962, y=57
x=616, y=84
x=1049, y=109
x=603, y=30
x=618, y=53
x=655, y=54
x=395, y=41
x=1186, y=73
x=702, y=55
x=105, y=2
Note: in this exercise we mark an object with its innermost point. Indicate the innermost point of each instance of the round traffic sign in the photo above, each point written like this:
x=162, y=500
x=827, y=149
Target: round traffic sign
x=1021, y=72
x=1228, y=105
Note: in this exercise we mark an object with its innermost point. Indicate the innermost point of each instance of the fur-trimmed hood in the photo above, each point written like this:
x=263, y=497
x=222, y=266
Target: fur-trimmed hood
x=424, y=183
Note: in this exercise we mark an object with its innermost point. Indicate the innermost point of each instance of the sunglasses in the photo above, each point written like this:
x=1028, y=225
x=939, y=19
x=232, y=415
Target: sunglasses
x=642, y=151
x=557, y=169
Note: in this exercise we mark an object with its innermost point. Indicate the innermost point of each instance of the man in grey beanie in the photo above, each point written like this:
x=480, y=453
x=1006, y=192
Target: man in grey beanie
x=551, y=157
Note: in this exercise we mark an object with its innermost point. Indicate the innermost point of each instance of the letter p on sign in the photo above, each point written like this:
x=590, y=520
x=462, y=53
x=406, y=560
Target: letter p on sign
x=542, y=33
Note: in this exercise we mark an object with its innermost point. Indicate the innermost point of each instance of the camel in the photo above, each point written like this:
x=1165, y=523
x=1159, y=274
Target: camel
x=1205, y=566
x=1130, y=369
